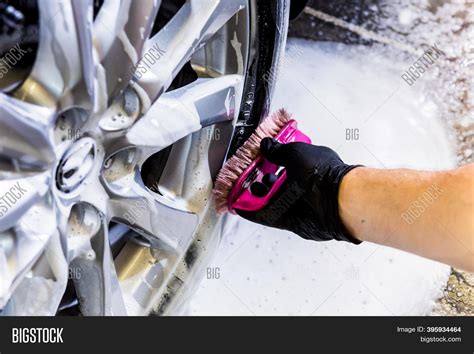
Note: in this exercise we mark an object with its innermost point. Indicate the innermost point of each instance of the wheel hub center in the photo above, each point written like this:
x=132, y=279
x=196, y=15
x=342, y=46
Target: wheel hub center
x=76, y=164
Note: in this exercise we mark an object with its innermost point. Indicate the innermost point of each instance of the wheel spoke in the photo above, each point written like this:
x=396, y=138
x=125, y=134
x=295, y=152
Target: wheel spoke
x=22, y=245
x=17, y=196
x=187, y=31
x=62, y=74
x=167, y=223
x=200, y=104
x=84, y=93
x=24, y=135
x=96, y=282
x=42, y=293
x=121, y=29
x=145, y=266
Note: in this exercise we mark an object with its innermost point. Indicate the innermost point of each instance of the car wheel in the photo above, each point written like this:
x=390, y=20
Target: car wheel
x=112, y=130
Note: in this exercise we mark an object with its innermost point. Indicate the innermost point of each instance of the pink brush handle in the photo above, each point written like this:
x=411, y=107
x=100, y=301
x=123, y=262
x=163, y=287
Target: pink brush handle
x=240, y=197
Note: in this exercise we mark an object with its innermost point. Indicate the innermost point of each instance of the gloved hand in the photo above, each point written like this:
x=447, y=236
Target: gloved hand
x=307, y=203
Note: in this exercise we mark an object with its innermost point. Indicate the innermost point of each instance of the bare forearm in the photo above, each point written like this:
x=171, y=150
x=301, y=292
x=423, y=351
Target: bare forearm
x=427, y=213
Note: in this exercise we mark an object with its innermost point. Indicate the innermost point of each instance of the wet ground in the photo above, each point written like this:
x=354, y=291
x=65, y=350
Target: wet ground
x=404, y=29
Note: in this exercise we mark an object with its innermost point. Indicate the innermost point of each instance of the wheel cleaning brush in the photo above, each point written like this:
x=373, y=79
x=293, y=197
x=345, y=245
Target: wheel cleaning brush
x=248, y=181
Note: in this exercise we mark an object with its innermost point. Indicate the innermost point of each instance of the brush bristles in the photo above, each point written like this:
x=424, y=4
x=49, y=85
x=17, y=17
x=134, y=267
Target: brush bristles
x=244, y=156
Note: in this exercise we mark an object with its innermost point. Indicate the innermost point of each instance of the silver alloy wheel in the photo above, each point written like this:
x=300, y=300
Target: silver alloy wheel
x=75, y=136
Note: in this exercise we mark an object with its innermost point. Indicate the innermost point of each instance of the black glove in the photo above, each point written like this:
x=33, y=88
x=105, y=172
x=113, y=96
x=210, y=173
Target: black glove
x=307, y=203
